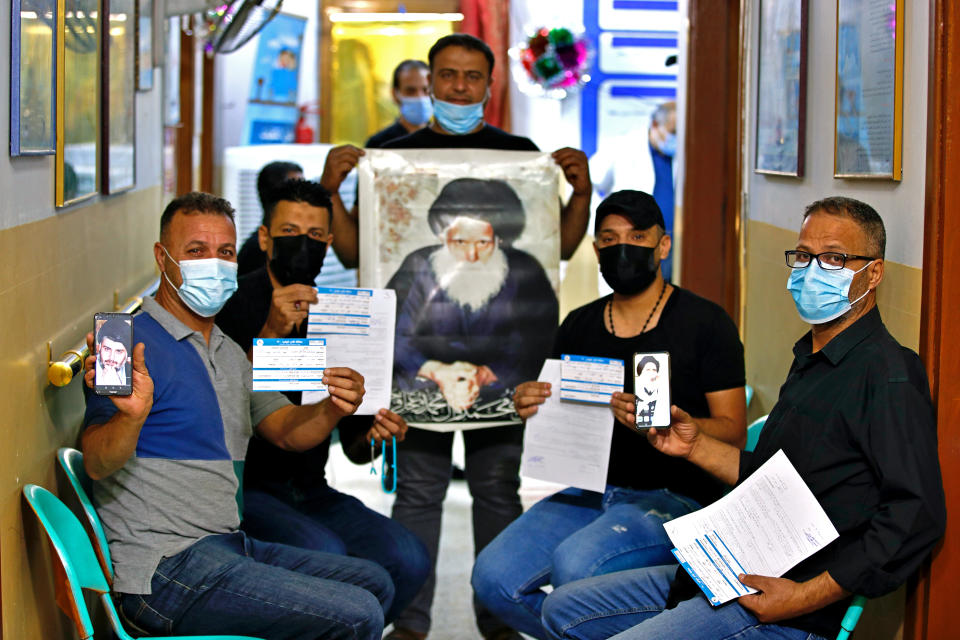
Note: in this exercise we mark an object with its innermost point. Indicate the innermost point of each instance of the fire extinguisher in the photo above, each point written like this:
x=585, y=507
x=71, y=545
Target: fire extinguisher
x=303, y=133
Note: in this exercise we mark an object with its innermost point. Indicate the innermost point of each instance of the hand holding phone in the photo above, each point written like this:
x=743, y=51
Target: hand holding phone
x=651, y=387
x=113, y=350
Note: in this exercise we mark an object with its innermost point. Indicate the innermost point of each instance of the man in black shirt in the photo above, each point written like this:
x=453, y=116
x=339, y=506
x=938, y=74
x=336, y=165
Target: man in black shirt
x=461, y=69
x=272, y=175
x=582, y=533
x=286, y=495
x=411, y=93
x=854, y=418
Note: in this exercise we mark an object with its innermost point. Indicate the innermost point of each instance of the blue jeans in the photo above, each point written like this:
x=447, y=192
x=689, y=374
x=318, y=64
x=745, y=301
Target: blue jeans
x=629, y=605
x=234, y=584
x=324, y=519
x=571, y=535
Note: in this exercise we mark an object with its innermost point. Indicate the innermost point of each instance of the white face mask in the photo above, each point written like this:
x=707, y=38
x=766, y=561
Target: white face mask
x=207, y=283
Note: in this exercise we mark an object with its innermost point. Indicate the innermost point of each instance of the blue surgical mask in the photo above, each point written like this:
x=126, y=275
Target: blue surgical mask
x=669, y=145
x=458, y=119
x=821, y=295
x=416, y=111
x=207, y=284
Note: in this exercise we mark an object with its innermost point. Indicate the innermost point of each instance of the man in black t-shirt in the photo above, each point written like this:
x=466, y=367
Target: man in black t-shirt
x=250, y=257
x=582, y=533
x=411, y=93
x=460, y=78
x=286, y=495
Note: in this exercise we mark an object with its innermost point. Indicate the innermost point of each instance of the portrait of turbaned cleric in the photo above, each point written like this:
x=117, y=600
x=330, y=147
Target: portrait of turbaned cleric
x=476, y=313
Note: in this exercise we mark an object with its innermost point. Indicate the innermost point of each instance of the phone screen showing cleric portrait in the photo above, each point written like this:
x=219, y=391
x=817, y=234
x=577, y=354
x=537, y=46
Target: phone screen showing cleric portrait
x=113, y=344
x=651, y=386
x=470, y=242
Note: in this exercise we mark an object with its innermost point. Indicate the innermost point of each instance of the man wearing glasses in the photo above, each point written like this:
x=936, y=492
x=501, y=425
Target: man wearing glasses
x=855, y=419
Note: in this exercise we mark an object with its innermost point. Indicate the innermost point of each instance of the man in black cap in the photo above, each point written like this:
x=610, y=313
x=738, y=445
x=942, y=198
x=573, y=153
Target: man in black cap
x=580, y=533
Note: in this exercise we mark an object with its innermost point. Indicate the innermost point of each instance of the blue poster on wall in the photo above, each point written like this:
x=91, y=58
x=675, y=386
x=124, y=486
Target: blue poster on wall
x=272, y=104
x=633, y=80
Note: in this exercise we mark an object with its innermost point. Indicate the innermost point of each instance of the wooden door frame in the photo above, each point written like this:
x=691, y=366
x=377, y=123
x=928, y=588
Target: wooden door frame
x=930, y=604
x=710, y=216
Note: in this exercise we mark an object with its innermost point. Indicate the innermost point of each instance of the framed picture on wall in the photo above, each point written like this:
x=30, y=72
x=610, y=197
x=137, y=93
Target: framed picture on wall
x=782, y=87
x=144, y=48
x=119, y=109
x=33, y=114
x=78, y=100
x=868, y=136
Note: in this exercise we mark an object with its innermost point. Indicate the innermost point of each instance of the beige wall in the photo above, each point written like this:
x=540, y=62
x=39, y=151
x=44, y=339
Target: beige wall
x=57, y=273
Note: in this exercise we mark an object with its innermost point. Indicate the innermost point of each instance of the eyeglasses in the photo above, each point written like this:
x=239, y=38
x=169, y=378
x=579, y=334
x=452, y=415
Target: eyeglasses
x=829, y=260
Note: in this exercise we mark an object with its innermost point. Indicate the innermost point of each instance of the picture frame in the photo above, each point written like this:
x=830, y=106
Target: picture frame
x=118, y=99
x=33, y=41
x=868, y=120
x=144, y=47
x=781, y=88
x=78, y=101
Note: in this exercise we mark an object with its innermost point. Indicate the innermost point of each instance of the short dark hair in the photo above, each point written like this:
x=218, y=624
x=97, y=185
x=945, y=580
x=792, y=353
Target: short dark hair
x=645, y=360
x=863, y=214
x=406, y=65
x=464, y=40
x=493, y=201
x=272, y=176
x=193, y=203
x=297, y=190
x=116, y=329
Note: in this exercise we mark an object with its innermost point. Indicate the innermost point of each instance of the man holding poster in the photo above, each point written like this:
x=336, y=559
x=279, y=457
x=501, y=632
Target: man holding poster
x=476, y=308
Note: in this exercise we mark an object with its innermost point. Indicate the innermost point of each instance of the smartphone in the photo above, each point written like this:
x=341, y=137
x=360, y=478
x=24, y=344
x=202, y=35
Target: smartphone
x=651, y=386
x=113, y=346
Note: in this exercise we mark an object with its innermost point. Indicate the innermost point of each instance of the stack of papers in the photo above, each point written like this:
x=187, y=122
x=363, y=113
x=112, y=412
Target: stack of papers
x=766, y=526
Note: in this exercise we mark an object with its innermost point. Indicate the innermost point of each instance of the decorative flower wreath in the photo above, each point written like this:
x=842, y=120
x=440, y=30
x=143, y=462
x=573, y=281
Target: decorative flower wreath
x=552, y=62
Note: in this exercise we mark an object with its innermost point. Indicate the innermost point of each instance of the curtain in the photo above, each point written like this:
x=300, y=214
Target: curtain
x=489, y=20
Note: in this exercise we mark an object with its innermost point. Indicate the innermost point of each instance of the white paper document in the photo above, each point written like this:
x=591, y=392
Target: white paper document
x=766, y=526
x=589, y=379
x=567, y=442
x=289, y=364
x=358, y=325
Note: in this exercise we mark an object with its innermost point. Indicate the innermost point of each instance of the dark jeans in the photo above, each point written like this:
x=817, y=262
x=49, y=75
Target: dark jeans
x=234, y=584
x=492, y=470
x=568, y=536
x=324, y=519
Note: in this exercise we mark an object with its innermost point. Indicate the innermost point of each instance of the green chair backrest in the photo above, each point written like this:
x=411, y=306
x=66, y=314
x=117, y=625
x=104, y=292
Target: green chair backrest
x=748, y=390
x=753, y=432
x=80, y=563
x=73, y=547
x=71, y=461
x=851, y=617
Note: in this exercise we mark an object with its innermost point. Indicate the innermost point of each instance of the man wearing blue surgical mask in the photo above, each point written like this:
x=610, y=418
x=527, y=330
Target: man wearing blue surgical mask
x=166, y=463
x=854, y=418
x=461, y=69
x=411, y=93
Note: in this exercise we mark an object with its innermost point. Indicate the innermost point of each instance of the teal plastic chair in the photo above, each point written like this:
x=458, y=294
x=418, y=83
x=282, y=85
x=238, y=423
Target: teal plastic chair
x=71, y=461
x=81, y=568
x=749, y=392
x=753, y=432
x=852, y=616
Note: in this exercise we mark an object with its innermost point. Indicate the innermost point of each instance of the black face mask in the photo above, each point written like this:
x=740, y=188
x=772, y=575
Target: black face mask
x=627, y=268
x=297, y=259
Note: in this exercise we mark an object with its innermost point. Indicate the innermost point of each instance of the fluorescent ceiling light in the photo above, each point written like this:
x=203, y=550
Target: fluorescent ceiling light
x=342, y=16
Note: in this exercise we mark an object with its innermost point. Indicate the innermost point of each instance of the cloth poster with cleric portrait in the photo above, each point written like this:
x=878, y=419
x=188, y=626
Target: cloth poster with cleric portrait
x=470, y=242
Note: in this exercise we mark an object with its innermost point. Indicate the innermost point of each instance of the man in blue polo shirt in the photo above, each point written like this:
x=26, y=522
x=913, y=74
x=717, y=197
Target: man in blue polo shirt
x=166, y=462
